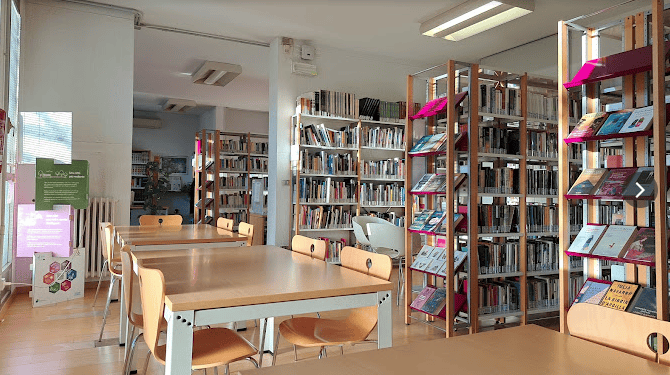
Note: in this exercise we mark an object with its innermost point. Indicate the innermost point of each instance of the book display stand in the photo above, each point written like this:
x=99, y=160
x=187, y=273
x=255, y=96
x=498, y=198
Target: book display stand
x=631, y=79
x=225, y=164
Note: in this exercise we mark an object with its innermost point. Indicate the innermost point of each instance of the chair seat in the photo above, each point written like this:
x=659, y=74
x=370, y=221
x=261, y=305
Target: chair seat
x=314, y=332
x=115, y=267
x=214, y=347
x=393, y=254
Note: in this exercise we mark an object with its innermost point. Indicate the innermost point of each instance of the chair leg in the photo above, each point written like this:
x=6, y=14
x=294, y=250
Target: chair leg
x=341, y=349
x=226, y=369
x=102, y=271
x=146, y=363
x=129, y=351
x=274, y=354
x=216, y=371
x=252, y=360
x=401, y=281
x=262, y=344
x=295, y=353
x=104, y=314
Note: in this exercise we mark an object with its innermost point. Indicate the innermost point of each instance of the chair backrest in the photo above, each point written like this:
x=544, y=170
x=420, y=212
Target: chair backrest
x=128, y=282
x=161, y=220
x=360, y=224
x=103, y=239
x=362, y=321
x=224, y=223
x=152, y=291
x=616, y=329
x=387, y=236
x=246, y=229
x=109, y=244
x=314, y=248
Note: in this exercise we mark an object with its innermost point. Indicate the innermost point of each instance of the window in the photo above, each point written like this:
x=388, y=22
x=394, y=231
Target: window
x=14, y=55
x=46, y=135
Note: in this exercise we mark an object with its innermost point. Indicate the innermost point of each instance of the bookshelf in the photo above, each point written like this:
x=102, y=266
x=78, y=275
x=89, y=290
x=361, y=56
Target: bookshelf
x=360, y=173
x=627, y=88
x=226, y=163
x=140, y=158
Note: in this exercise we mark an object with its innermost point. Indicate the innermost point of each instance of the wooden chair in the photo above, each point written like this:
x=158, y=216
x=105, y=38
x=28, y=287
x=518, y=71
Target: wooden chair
x=105, y=265
x=224, y=223
x=161, y=220
x=211, y=346
x=134, y=319
x=616, y=329
x=314, y=248
x=114, y=266
x=246, y=229
x=314, y=332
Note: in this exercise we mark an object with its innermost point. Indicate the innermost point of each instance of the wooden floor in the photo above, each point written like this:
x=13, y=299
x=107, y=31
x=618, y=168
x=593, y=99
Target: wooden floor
x=60, y=339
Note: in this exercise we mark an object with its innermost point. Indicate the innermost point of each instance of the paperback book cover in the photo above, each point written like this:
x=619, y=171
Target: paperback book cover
x=434, y=221
x=421, y=299
x=436, y=183
x=459, y=259
x=615, y=240
x=434, y=143
x=645, y=177
x=436, y=253
x=422, y=256
x=592, y=292
x=619, y=295
x=616, y=182
x=588, y=125
x=643, y=247
x=588, y=181
x=421, y=220
x=420, y=143
x=615, y=121
x=644, y=303
x=639, y=120
x=422, y=182
x=587, y=239
x=435, y=265
x=436, y=302
x=421, y=264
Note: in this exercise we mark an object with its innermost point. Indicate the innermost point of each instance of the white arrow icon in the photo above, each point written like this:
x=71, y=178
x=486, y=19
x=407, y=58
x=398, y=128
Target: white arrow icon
x=641, y=190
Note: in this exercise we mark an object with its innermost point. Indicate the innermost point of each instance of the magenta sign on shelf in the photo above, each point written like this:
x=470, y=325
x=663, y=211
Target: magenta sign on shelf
x=43, y=231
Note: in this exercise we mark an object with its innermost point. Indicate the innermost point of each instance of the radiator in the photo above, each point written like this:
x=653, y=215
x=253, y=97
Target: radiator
x=86, y=236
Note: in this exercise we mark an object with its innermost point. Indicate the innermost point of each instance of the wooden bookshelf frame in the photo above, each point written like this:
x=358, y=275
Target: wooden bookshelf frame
x=635, y=95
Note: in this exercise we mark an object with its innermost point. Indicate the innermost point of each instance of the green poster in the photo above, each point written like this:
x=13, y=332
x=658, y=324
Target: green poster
x=61, y=184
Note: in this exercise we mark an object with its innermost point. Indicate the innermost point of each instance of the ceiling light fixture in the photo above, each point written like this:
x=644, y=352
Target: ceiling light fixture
x=473, y=17
x=179, y=105
x=216, y=73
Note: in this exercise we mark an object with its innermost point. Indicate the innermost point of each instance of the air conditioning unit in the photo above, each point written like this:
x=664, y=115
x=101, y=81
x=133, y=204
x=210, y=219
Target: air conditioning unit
x=147, y=123
x=303, y=69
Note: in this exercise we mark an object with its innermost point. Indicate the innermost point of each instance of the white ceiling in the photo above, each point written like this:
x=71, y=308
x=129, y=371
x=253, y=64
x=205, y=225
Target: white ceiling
x=387, y=28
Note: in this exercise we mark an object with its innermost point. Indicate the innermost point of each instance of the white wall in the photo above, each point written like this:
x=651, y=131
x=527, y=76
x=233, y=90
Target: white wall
x=245, y=121
x=80, y=59
x=338, y=70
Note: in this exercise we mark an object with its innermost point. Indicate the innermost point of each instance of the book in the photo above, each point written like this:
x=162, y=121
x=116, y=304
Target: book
x=436, y=302
x=587, y=239
x=616, y=239
x=616, y=182
x=593, y=292
x=645, y=177
x=644, y=303
x=422, y=182
x=420, y=143
x=619, y=295
x=434, y=221
x=435, y=266
x=639, y=120
x=430, y=143
x=436, y=253
x=615, y=121
x=588, y=125
x=588, y=182
x=421, y=220
x=421, y=299
x=437, y=183
x=643, y=247
x=459, y=259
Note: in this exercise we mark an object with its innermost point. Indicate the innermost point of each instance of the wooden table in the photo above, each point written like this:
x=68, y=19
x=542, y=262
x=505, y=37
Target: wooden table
x=213, y=286
x=521, y=350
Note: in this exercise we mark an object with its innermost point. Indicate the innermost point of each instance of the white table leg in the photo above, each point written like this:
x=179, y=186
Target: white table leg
x=179, y=342
x=269, y=334
x=384, y=320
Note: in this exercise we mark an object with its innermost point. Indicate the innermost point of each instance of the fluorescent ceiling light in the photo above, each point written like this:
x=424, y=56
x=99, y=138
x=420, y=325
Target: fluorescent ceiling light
x=473, y=17
x=216, y=73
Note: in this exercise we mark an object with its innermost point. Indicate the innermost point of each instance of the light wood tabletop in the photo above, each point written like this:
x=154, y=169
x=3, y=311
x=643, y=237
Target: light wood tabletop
x=225, y=277
x=175, y=234
x=520, y=350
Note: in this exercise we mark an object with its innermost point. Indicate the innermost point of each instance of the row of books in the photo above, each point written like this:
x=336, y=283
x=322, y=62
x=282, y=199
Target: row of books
x=499, y=100
x=324, y=163
x=320, y=135
x=259, y=165
x=543, y=292
x=137, y=182
x=390, y=216
x=616, y=241
x=328, y=103
x=542, y=254
x=392, y=111
x=499, y=141
x=542, y=144
x=498, y=219
x=619, y=296
x=232, y=182
x=428, y=221
x=498, y=180
x=334, y=248
x=327, y=190
x=373, y=194
x=230, y=143
x=541, y=218
x=612, y=213
x=498, y=257
x=324, y=217
x=619, y=122
x=498, y=296
x=617, y=182
x=433, y=259
x=383, y=137
x=261, y=148
x=541, y=106
x=236, y=200
x=234, y=163
x=542, y=181
x=235, y=216
x=388, y=168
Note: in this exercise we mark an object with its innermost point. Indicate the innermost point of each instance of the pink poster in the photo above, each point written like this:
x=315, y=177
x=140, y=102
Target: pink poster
x=43, y=231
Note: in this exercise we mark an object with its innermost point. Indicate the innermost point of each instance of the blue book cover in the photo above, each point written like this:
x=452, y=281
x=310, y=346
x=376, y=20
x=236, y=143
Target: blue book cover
x=614, y=123
x=592, y=292
x=644, y=303
x=435, y=303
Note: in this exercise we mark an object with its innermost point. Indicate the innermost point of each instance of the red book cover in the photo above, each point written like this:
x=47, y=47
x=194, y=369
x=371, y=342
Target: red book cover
x=615, y=182
x=643, y=247
x=421, y=299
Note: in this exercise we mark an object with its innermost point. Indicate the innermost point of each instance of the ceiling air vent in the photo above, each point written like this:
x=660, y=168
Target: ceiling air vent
x=178, y=105
x=216, y=73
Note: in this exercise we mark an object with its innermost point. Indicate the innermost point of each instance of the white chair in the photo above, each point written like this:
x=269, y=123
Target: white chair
x=389, y=239
x=360, y=224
